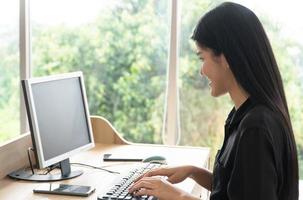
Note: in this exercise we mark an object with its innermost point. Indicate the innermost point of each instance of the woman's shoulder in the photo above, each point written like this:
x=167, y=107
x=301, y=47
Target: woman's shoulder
x=262, y=122
x=260, y=116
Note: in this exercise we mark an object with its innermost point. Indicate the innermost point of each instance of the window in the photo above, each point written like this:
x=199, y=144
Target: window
x=9, y=70
x=121, y=47
x=202, y=116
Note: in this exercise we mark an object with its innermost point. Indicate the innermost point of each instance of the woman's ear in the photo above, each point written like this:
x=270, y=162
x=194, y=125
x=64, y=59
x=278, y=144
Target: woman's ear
x=224, y=61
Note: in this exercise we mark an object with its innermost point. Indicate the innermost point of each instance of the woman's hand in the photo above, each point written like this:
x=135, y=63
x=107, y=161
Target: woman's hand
x=156, y=186
x=173, y=174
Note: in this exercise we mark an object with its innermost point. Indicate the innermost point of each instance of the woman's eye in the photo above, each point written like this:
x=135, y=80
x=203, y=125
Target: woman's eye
x=202, y=59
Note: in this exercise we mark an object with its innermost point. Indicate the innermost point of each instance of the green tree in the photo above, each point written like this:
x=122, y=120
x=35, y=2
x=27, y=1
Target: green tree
x=123, y=56
x=9, y=84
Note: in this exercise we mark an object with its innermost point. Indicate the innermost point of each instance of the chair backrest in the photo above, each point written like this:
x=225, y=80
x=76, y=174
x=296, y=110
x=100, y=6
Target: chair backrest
x=105, y=133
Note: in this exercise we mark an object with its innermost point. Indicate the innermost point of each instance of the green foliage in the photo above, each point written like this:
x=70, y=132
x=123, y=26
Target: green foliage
x=9, y=124
x=203, y=117
x=9, y=86
x=123, y=55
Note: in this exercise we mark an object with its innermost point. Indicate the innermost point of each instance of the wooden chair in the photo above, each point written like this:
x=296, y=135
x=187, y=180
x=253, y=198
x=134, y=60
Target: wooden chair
x=105, y=133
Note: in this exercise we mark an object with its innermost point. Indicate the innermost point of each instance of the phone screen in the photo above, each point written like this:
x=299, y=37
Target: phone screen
x=65, y=189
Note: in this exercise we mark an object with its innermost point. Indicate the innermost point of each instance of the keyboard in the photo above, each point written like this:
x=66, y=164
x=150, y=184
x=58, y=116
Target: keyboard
x=119, y=190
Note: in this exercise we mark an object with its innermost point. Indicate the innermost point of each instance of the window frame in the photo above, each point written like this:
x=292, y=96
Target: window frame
x=25, y=57
x=171, y=122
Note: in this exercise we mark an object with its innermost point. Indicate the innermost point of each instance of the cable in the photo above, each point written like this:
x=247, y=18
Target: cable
x=51, y=168
x=94, y=167
x=48, y=170
x=54, y=166
x=29, y=158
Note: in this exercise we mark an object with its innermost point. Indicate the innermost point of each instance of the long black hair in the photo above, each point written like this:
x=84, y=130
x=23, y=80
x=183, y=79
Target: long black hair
x=236, y=31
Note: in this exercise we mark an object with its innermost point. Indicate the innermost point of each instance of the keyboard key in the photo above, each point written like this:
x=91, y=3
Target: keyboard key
x=128, y=197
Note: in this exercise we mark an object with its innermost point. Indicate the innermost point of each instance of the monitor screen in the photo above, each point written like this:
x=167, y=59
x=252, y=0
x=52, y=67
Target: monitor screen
x=59, y=116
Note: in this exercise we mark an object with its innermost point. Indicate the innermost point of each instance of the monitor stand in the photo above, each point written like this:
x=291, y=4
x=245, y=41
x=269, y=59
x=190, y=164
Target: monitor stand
x=28, y=175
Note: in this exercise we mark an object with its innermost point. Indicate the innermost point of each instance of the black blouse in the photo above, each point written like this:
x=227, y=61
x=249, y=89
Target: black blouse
x=249, y=165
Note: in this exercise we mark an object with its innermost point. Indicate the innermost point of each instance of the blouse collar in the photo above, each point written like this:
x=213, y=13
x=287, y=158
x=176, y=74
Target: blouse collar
x=235, y=116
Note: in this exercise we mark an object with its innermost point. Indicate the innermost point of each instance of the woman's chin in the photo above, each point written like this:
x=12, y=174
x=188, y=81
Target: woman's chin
x=213, y=93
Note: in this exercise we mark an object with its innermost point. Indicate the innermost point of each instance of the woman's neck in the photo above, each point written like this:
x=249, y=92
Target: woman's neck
x=238, y=96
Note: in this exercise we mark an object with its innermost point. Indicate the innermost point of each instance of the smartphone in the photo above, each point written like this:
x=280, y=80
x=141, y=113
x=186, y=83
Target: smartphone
x=121, y=157
x=64, y=189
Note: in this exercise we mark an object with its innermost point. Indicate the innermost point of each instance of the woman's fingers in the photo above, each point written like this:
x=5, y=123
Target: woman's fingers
x=154, y=172
x=149, y=183
x=144, y=191
x=155, y=186
x=143, y=183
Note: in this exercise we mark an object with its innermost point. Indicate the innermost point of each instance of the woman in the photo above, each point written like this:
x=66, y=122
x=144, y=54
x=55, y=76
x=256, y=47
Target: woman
x=258, y=158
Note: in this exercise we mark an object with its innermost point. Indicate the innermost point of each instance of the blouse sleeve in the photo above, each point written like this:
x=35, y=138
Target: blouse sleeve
x=254, y=173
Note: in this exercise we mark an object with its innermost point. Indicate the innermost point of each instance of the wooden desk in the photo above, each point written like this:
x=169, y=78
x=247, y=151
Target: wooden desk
x=107, y=140
x=12, y=189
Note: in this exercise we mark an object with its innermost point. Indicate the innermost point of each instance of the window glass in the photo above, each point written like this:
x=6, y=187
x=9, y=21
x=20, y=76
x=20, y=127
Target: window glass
x=202, y=116
x=9, y=70
x=122, y=48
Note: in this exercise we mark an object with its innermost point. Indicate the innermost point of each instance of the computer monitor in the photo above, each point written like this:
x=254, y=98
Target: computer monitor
x=59, y=121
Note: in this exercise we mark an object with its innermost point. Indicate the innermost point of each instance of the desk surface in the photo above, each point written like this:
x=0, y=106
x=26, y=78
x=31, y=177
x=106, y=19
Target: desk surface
x=13, y=189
